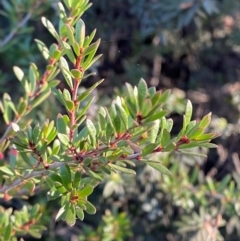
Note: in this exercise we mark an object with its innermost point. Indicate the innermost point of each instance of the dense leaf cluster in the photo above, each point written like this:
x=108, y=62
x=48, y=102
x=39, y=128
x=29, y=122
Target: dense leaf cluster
x=74, y=154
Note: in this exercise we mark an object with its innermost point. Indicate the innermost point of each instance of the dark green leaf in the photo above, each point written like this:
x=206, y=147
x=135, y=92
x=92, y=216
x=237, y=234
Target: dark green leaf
x=38, y=100
x=122, y=169
x=86, y=191
x=60, y=188
x=8, y=232
x=91, y=130
x=63, y=138
x=123, y=115
x=79, y=213
x=18, y=72
x=93, y=174
x=90, y=209
x=159, y=167
x=142, y=92
x=155, y=116
x=205, y=121
x=188, y=113
x=92, y=48
x=50, y=28
x=80, y=32
x=148, y=149
x=6, y=170
x=71, y=215
x=77, y=179
x=65, y=174
x=86, y=93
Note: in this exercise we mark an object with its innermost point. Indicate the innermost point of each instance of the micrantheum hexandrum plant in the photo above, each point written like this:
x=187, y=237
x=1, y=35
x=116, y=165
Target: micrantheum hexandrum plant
x=71, y=160
x=114, y=226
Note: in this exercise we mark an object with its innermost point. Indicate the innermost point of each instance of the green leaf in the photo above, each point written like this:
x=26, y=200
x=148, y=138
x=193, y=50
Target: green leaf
x=110, y=121
x=85, y=108
x=50, y=28
x=93, y=174
x=33, y=76
x=159, y=167
x=164, y=96
x=156, y=116
x=34, y=210
x=224, y=184
x=68, y=3
x=59, y=95
x=76, y=73
x=7, y=115
x=149, y=149
x=152, y=91
x=6, y=170
x=62, y=11
x=205, y=120
x=91, y=130
x=188, y=113
x=122, y=169
x=18, y=72
x=86, y=191
x=208, y=145
x=61, y=125
x=56, y=178
x=53, y=83
x=69, y=32
x=69, y=105
x=211, y=184
x=118, y=124
x=166, y=138
x=38, y=100
x=22, y=106
x=92, y=48
x=43, y=48
x=66, y=73
x=160, y=98
x=65, y=174
x=34, y=233
x=61, y=213
x=156, y=97
x=63, y=138
x=86, y=93
x=146, y=106
x=154, y=132
x=142, y=91
x=195, y=132
x=206, y=137
x=70, y=215
x=192, y=153
x=79, y=213
x=80, y=32
x=60, y=188
x=90, y=60
x=77, y=179
x=89, y=40
x=68, y=50
x=26, y=159
x=90, y=209
x=8, y=232
x=76, y=48
x=123, y=115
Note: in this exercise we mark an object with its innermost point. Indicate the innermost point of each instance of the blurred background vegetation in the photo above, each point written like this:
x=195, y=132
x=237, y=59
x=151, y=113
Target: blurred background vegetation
x=189, y=46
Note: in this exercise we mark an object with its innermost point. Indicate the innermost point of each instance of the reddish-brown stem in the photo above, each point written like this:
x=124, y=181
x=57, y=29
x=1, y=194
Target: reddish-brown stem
x=77, y=81
x=32, y=146
x=183, y=140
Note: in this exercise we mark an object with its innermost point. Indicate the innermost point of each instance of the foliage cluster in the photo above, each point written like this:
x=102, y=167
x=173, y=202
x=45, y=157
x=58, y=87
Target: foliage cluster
x=68, y=156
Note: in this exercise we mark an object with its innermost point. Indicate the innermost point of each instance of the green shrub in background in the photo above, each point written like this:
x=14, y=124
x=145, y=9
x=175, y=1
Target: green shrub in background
x=66, y=161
